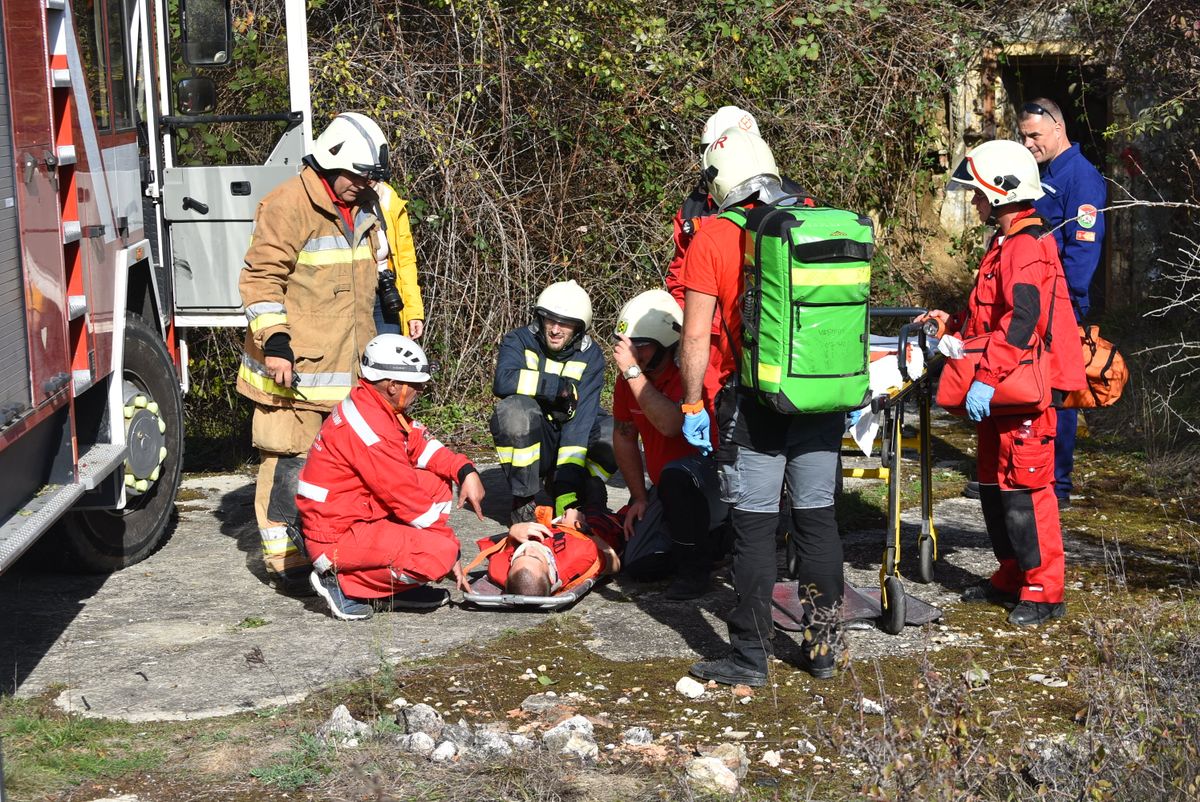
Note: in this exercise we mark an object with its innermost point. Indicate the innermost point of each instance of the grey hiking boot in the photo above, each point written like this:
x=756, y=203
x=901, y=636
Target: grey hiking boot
x=341, y=606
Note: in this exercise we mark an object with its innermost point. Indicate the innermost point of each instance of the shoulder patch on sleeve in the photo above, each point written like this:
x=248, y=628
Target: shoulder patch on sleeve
x=1086, y=215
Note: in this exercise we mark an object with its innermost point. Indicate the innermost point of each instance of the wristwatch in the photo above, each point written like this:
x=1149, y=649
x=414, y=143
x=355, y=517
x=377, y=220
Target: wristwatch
x=631, y=373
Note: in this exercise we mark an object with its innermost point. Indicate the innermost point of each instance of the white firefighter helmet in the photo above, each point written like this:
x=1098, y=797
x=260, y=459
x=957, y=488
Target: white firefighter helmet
x=738, y=164
x=724, y=118
x=1003, y=170
x=354, y=143
x=394, y=356
x=566, y=302
x=652, y=315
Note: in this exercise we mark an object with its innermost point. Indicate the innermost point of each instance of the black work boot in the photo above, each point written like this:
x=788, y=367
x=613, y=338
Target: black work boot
x=732, y=669
x=985, y=591
x=689, y=583
x=522, y=510
x=1030, y=613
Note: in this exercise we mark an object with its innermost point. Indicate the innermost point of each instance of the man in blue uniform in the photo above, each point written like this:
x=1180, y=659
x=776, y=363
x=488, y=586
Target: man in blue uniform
x=547, y=423
x=1075, y=195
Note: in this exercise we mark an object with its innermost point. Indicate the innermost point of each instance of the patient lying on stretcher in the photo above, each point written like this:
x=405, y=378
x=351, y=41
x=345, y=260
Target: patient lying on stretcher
x=545, y=557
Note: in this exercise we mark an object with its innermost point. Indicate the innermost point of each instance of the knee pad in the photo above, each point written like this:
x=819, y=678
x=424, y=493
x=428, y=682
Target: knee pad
x=517, y=416
x=282, y=504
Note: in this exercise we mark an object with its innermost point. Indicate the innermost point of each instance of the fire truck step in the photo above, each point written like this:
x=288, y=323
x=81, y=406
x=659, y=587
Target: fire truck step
x=98, y=462
x=39, y=514
x=19, y=531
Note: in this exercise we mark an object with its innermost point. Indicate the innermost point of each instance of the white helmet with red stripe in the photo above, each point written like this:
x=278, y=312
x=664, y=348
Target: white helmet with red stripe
x=1003, y=170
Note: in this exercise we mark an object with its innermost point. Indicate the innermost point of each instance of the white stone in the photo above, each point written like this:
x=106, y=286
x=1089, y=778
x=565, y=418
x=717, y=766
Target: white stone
x=771, y=758
x=342, y=729
x=733, y=756
x=637, y=736
x=421, y=718
x=709, y=775
x=581, y=746
x=976, y=677
x=417, y=743
x=443, y=752
x=806, y=746
x=689, y=687
x=869, y=706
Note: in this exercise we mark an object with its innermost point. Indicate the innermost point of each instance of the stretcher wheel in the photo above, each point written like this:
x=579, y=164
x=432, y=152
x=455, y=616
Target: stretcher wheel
x=925, y=550
x=792, y=565
x=892, y=616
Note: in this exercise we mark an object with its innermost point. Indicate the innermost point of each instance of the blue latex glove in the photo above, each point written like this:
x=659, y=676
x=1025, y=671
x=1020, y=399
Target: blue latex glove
x=854, y=416
x=697, y=430
x=979, y=401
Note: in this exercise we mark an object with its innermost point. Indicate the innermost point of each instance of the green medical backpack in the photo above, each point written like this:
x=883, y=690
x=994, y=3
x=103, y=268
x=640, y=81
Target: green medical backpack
x=805, y=316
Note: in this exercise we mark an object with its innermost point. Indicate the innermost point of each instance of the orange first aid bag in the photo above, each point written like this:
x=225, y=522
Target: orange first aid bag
x=1107, y=373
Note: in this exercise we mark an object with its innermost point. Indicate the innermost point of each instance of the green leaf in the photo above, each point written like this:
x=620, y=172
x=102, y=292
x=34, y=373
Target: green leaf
x=544, y=680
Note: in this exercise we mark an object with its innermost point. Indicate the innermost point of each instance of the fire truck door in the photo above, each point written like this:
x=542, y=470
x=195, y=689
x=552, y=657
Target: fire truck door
x=209, y=214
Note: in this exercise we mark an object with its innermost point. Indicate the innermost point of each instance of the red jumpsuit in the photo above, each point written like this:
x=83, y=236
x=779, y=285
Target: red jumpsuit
x=1020, y=280
x=375, y=497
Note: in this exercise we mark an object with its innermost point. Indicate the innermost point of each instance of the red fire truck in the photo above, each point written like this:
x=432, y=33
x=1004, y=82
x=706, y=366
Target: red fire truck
x=110, y=248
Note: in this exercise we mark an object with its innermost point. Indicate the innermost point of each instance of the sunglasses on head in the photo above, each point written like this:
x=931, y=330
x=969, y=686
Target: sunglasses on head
x=1035, y=108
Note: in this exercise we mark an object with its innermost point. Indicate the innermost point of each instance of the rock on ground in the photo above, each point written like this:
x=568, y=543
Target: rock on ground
x=342, y=729
x=421, y=718
x=708, y=775
x=689, y=687
x=733, y=756
x=637, y=736
x=417, y=743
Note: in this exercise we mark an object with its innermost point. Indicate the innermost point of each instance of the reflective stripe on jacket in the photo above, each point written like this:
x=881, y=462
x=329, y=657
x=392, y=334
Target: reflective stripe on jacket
x=362, y=467
x=307, y=276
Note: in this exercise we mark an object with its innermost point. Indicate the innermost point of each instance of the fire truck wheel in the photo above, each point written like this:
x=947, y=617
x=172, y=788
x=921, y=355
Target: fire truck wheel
x=99, y=541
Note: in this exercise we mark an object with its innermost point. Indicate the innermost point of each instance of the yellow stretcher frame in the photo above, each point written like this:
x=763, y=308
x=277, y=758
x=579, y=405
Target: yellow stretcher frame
x=892, y=442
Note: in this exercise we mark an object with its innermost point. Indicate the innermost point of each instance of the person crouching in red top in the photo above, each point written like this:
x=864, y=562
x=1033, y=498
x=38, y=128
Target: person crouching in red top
x=672, y=526
x=545, y=556
x=1020, y=296
x=376, y=492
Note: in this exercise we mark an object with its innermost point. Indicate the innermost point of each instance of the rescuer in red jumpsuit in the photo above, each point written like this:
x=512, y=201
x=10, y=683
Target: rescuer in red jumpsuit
x=376, y=492
x=1020, y=298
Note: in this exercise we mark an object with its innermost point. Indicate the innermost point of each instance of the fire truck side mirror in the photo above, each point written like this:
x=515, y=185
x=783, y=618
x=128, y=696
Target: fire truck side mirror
x=196, y=96
x=206, y=32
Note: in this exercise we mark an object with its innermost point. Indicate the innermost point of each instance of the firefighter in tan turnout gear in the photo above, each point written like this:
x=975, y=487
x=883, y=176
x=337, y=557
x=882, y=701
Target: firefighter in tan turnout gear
x=308, y=287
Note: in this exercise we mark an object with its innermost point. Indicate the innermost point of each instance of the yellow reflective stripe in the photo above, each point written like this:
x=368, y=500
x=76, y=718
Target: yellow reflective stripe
x=574, y=370
x=820, y=276
x=769, y=373
x=596, y=469
x=554, y=368
x=267, y=385
x=560, y=503
x=572, y=455
x=334, y=256
x=531, y=360
x=527, y=382
x=269, y=319
x=521, y=457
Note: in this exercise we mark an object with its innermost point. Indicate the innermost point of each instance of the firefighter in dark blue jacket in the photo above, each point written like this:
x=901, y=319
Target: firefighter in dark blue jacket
x=1075, y=195
x=547, y=424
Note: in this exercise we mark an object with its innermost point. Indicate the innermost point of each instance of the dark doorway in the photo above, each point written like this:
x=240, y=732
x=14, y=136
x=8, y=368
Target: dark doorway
x=1081, y=90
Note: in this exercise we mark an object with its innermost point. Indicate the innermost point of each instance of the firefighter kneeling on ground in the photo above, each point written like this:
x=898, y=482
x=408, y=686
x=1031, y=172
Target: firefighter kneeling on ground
x=1020, y=293
x=672, y=526
x=547, y=423
x=376, y=492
